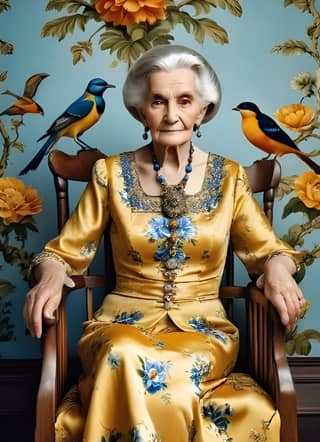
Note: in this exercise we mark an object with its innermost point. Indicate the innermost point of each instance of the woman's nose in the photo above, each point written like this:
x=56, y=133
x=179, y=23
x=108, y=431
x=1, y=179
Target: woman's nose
x=172, y=114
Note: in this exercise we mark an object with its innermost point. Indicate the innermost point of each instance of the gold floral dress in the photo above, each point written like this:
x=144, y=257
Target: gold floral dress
x=158, y=355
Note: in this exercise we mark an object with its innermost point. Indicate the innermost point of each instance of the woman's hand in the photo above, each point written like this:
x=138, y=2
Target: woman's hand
x=45, y=296
x=282, y=290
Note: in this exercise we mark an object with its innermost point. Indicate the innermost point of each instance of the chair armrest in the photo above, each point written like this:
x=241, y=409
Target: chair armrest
x=269, y=364
x=267, y=353
x=46, y=399
x=54, y=361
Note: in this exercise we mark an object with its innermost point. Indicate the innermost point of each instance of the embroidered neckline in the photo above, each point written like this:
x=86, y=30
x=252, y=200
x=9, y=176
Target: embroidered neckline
x=133, y=162
x=204, y=200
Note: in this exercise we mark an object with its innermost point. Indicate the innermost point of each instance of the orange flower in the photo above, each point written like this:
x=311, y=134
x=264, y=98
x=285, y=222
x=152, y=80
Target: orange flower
x=307, y=188
x=296, y=116
x=129, y=12
x=17, y=200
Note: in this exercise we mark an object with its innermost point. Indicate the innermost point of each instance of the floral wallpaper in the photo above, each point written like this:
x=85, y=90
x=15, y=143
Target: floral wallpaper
x=303, y=119
x=72, y=41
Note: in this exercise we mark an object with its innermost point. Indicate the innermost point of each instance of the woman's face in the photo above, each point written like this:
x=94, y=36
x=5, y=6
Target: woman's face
x=172, y=107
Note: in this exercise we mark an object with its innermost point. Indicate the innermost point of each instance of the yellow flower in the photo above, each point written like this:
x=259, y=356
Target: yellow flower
x=295, y=116
x=17, y=200
x=129, y=12
x=307, y=188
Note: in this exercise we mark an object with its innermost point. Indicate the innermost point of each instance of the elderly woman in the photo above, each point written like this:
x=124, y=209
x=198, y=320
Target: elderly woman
x=157, y=355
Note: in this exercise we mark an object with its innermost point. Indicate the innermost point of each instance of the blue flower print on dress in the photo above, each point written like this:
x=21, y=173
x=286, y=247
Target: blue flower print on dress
x=185, y=228
x=200, y=325
x=217, y=415
x=114, y=361
x=159, y=228
x=153, y=374
x=136, y=436
x=128, y=318
x=113, y=437
x=199, y=370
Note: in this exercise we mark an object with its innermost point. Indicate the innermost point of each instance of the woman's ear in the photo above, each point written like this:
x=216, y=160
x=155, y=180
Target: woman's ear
x=201, y=115
x=142, y=117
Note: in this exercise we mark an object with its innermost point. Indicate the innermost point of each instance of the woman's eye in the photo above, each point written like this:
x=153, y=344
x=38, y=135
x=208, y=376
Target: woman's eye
x=157, y=102
x=184, y=101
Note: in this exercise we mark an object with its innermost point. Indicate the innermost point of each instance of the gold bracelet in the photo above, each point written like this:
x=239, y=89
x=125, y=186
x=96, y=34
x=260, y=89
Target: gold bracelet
x=41, y=257
x=272, y=255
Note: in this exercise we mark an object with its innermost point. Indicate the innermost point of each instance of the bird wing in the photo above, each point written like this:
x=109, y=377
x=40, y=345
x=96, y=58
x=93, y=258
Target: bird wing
x=32, y=83
x=274, y=131
x=76, y=111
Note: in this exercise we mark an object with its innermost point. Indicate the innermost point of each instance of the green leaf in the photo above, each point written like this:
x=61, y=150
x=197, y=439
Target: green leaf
x=21, y=231
x=214, y=31
x=300, y=4
x=5, y=48
x=294, y=237
x=110, y=37
x=17, y=145
x=162, y=40
x=292, y=47
x=160, y=29
x=234, y=7
x=6, y=287
x=4, y=5
x=3, y=75
x=114, y=64
x=79, y=49
x=316, y=253
x=60, y=27
x=72, y=5
x=286, y=186
x=313, y=31
x=294, y=205
x=136, y=32
x=200, y=6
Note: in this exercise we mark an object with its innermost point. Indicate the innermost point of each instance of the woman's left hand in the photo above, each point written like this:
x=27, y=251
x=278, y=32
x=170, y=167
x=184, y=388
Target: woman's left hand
x=282, y=290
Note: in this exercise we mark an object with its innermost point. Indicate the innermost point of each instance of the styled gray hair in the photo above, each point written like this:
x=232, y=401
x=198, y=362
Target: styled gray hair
x=167, y=58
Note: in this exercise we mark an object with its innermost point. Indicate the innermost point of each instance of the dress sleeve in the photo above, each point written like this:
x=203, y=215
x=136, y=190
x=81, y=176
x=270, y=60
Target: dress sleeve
x=252, y=236
x=79, y=239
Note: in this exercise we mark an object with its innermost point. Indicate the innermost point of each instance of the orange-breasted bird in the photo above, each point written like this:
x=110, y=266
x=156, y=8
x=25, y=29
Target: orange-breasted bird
x=263, y=132
x=25, y=104
x=82, y=114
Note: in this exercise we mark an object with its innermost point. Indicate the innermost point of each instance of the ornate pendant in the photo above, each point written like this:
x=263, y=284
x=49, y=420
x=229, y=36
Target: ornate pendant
x=173, y=201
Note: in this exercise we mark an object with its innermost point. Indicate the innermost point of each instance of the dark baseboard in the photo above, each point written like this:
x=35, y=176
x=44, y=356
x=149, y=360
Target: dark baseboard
x=306, y=376
x=19, y=379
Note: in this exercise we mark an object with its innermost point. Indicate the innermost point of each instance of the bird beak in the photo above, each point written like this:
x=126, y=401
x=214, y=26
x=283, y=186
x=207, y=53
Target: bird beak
x=236, y=109
x=110, y=85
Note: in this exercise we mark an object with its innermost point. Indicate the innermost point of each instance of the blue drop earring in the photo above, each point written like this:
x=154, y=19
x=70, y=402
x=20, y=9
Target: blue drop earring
x=196, y=129
x=145, y=133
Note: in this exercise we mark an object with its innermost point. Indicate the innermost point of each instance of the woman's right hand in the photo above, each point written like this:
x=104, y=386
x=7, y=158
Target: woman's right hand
x=44, y=297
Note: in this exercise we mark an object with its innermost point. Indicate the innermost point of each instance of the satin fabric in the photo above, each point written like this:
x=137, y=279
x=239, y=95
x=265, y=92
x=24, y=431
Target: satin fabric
x=154, y=371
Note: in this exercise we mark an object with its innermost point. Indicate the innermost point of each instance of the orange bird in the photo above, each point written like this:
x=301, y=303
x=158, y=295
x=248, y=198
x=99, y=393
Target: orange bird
x=263, y=132
x=25, y=104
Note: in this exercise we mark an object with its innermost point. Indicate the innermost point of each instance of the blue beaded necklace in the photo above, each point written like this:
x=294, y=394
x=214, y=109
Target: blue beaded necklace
x=173, y=197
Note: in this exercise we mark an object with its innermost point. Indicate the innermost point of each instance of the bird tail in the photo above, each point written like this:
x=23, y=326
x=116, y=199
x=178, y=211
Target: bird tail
x=36, y=160
x=314, y=166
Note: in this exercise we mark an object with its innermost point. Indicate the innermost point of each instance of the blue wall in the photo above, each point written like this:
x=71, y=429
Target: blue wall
x=248, y=72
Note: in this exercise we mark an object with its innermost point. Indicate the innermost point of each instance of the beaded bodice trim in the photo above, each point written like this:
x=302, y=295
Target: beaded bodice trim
x=204, y=201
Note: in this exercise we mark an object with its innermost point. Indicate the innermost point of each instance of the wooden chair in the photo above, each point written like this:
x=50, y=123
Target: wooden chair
x=265, y=336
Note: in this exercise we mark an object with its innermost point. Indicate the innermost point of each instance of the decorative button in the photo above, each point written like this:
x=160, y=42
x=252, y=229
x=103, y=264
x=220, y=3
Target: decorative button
x=171, y=263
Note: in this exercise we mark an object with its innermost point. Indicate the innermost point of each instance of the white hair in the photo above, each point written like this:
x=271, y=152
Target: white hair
x=167, y=58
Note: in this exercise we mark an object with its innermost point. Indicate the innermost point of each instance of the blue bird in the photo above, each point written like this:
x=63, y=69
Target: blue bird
x=82, y=114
